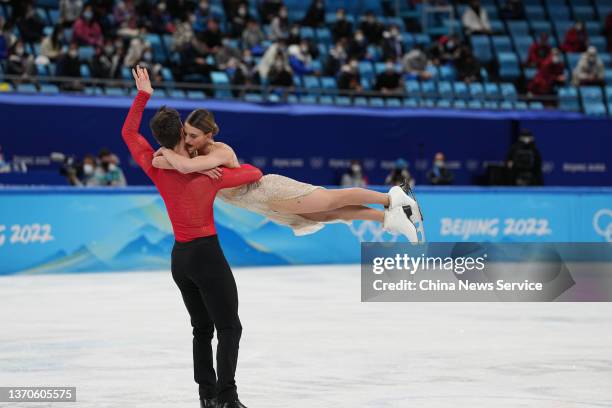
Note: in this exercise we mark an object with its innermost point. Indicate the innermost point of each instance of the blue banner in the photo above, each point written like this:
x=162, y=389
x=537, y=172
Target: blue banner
x=314, y=143
x=46, y=230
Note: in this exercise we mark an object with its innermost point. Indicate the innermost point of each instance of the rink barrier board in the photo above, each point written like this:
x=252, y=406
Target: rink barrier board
x=77, y=230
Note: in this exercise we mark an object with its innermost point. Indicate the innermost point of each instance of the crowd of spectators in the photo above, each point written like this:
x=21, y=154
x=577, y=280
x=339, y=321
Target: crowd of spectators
x=265, y=46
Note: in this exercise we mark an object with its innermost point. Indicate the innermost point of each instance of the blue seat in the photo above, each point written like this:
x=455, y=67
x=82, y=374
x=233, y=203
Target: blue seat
x=609, y=94
x=343, y=100
x=366, y=83
x=308, y=99
x=26, y=88
x=413, y=88
x=324, y=35
x=536, y=105
x=518, y=27
x=393, y=103
x=589, y=94
x=221, y=82
x=506, y=105
x=521, y=105
x=366, y=69
x=428, y=89
x=167, y=75
x=461, y=90
x=360, y=101
x=253, y=97
x=492, y=105
x=292, y=98
x=535, y=12
x=196, y=95
x=599, y=42
x=444, y=103
x=176, y=93
x=595, y=109
x=568, y=98
x=311, y=82
x=326, y=100
x=94, y=91
x=522, y=44
x=474, y=104
x=447, y=73
x=540, y=26
x=482, y=48
x=445, y=90
x=49, y=89
x=86, y=53
x=530, y=73
x=377, y=102
x=411, y=102
x=477, y=90
x=508, y=91
x=328, y=82
x=307, y=32
x=559, y=12
x=428, y=103
x=509, y=67
x=114, y=91
x=501, y=43
x=608, y=76
x=492, y=91
x=159, y=52
x=459, y=104
x=584, y=13
x=84, y=69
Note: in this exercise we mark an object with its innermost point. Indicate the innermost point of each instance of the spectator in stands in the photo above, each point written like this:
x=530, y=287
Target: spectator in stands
x=20, y=63
x=4, y=43
x=446, y=50
x=349, y=79
x=468, y=66
x=538, y=51
x=102, y=63
x=253, y=37
x=89, y=174
x=269, y=8
x=371, y=28
x=415, y=64
x=389, y=81
x=276, y=51
x=183, y=34
x=440, y=175
x=239, y=20
x=525, y=161
x=86, y=30
x=358, y=46
x=69, y=11
x=576, y=38
x=590, y=69
x=513, y=10
x=399, y=174
x=279, y=28
x=475, y=19
x=392, y=45
x=51, y=46
x=31, y=26
x=551, y=74
x=608, y=31
x=354, y=177
x=342, y=28
x=212, y=36
x=68, y=65
x=160, y=21
x=294, y=36
x=315, y=16
x=134, y=52
x=245, y=73
x=299, y=61
x=202, y=15
x=147, y=61
x=111, y=175
x=225, y=53
x=124, y=14
x=336, y=58
x=280, y=74
x=194, y=58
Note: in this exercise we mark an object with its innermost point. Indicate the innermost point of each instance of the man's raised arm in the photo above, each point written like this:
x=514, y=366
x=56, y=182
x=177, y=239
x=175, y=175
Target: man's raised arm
x=141, y=150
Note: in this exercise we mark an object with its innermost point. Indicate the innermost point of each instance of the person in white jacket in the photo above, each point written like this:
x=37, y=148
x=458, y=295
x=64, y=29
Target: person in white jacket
x=475, y=19
x=590, y=69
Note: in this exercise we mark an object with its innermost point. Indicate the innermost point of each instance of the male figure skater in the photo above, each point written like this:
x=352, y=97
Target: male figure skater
x=199, y=267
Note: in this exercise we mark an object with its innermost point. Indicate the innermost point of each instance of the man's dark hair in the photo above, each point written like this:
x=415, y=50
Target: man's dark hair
x=166, y=127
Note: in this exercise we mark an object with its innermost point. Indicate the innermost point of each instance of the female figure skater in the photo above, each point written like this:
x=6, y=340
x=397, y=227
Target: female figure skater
x=303, y=207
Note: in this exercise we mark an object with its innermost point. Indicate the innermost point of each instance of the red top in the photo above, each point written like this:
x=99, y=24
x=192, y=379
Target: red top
x=188, y=197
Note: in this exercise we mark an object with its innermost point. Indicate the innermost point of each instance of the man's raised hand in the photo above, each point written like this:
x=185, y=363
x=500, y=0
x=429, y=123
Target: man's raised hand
x=143, y=83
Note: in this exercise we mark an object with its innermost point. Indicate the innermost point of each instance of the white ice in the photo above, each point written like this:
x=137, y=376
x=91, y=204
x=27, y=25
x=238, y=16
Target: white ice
x=124, y=340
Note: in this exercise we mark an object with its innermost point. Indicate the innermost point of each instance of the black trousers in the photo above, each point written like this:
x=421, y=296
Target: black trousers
x=207, y=285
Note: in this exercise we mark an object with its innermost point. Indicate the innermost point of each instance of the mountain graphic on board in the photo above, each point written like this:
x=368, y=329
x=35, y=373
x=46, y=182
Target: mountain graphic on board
x=80, y=260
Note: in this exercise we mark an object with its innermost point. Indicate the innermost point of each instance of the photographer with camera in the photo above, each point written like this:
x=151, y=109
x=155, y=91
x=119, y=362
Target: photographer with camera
x=524, y=162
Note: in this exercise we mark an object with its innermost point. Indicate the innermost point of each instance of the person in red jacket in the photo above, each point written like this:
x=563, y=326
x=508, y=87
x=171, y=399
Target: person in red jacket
x=576, y=39
x=86, y=30
x=538, y=51
x=550, y=74
x=199, y=267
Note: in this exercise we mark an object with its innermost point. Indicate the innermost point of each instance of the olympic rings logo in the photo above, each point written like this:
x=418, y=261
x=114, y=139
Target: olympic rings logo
x=599, y=223
x=369, y=231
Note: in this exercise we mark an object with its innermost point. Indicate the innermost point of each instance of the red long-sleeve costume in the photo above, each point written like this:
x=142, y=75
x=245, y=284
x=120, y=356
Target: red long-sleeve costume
x=188, y=197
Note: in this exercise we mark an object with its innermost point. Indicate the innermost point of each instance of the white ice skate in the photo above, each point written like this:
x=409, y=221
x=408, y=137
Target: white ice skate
x=396, y=221
x=402, y=197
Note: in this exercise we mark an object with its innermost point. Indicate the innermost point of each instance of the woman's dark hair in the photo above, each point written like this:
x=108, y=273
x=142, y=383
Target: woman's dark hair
x=203, y=120
x=166, y=127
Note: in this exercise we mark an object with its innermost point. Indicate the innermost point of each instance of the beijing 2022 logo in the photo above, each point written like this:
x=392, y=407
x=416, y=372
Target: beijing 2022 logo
x=602, y=222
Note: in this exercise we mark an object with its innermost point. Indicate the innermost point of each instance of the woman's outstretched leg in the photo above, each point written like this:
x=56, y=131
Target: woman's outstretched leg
x=348, y=213
x=323, y=200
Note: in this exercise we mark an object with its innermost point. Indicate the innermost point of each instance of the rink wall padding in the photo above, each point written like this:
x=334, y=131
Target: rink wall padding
x=315, y=143
x=73, y=230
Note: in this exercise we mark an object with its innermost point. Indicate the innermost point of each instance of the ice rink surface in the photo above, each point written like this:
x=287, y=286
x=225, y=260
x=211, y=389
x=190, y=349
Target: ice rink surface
x=124, y=340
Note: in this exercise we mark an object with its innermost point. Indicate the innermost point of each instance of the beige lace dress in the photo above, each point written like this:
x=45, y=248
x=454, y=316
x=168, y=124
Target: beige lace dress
x=273, y=187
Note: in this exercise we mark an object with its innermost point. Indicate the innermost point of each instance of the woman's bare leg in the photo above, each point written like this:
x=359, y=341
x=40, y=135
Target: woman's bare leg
x=323, y=200
x=348, y=213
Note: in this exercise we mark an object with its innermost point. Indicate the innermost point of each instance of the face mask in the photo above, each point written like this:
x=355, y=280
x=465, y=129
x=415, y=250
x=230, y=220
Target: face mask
x=242, y=11
x=109, y=49
x=88, y=169
x=389, y=67
x=148, y=56
x=355, y=168
x=112, y=167
x=192, y=19
x=162, y=7
x=354, y=64
x=525, y=139
x=555, y=60
x=19, y=51
x=439, y=163
x=88, y=15
x=283, y=13
x=359, y=37
x=340, y=17
x=73, y=53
